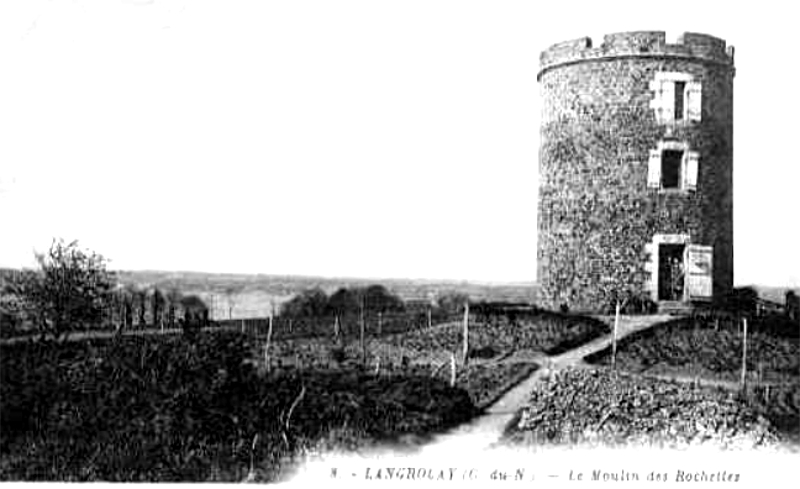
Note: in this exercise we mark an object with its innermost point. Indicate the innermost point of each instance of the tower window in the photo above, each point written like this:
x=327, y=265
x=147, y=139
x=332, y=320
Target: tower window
x=672, y=166
x=680, y=91
x=671, y=161
x=677, y=97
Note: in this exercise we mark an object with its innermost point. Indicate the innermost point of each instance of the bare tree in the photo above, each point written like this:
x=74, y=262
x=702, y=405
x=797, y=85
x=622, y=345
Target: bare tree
x=71, y=289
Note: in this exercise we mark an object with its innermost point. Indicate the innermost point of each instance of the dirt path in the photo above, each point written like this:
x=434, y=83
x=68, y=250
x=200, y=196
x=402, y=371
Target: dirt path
x=485, y=430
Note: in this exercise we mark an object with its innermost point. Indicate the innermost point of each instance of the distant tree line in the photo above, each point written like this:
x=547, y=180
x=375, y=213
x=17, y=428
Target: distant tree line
x=72, y=290
x=314, y=303
x=139, y=307
x=371, y=300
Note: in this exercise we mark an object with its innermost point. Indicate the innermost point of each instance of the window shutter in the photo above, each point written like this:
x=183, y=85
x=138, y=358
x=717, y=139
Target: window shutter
x=667, y=101
x=698, y=262
x=690, y=165
x=658, y=103
x=654, y=169
x=694, y=101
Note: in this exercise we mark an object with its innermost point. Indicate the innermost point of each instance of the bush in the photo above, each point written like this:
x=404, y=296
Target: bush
x=134, y=399
x=452, y=303
x=309, y=303
x=71, y=290
x=741, y=300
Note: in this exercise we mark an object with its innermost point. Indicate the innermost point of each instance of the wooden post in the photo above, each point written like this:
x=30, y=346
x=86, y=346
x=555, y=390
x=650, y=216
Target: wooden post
x=269, y=340
x=362, y=333
x=336, y=327
x=243, y=328
x=614, y=340
x=429, y=317
x=744, y=354
x=380, y=323
x=465, y=353
x=452, y=369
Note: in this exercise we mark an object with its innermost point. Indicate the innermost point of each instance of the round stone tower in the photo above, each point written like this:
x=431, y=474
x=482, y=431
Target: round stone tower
x=636, y=172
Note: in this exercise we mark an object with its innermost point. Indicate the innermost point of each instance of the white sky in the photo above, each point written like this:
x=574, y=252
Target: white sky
x=370, y=138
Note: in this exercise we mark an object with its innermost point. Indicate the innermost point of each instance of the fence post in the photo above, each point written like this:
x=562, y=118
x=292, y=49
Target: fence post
x=452, y=369
x=429, y=317
x=614, y=340
x=269, y=339
x=744, y=354
x=380, y=323
x=465, y=353
x=362, y=333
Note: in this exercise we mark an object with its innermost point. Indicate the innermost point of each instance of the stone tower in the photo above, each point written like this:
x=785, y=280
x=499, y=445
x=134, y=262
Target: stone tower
x=636, y=171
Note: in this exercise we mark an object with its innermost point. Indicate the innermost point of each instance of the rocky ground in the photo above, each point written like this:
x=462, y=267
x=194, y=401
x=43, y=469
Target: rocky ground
x=604, y=407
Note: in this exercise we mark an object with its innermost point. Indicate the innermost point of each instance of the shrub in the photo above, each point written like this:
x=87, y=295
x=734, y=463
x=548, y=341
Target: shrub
x=71, y=290
x=452, y=303
x=309, y=303
x=741, y=300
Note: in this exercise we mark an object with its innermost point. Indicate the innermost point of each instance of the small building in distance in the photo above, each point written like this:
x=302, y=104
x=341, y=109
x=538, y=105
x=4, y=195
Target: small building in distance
x=636, y=171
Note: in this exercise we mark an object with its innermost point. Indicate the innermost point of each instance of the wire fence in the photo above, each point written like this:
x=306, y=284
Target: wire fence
x=345, y=326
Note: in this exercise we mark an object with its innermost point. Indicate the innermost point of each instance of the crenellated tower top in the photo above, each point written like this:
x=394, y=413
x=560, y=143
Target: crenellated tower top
x=638, y=44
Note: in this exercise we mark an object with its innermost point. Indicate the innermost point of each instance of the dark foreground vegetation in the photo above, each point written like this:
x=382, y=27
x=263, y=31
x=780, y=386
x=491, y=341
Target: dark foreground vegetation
x=173, y=409
x=709, y=347
x=244, y=400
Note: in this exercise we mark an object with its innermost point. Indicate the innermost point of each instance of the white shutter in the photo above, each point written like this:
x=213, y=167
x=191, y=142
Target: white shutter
x=654, y=169
x=694, y=101
x=667, y=101
x=698, y=263
x=657, y=104
x=690, y=165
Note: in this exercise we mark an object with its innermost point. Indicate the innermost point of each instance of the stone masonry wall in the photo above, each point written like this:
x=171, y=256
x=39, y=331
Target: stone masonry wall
x=596, y=212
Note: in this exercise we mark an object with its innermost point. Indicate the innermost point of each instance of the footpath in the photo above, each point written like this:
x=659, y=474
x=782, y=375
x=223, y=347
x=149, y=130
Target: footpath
x=485, y=430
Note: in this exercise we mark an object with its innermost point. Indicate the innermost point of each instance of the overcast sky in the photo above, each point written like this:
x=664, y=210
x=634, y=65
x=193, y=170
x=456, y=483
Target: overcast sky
x=374, y=139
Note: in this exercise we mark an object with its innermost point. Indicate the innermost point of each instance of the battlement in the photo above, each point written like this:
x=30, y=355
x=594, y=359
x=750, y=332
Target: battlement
x=645, y=44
